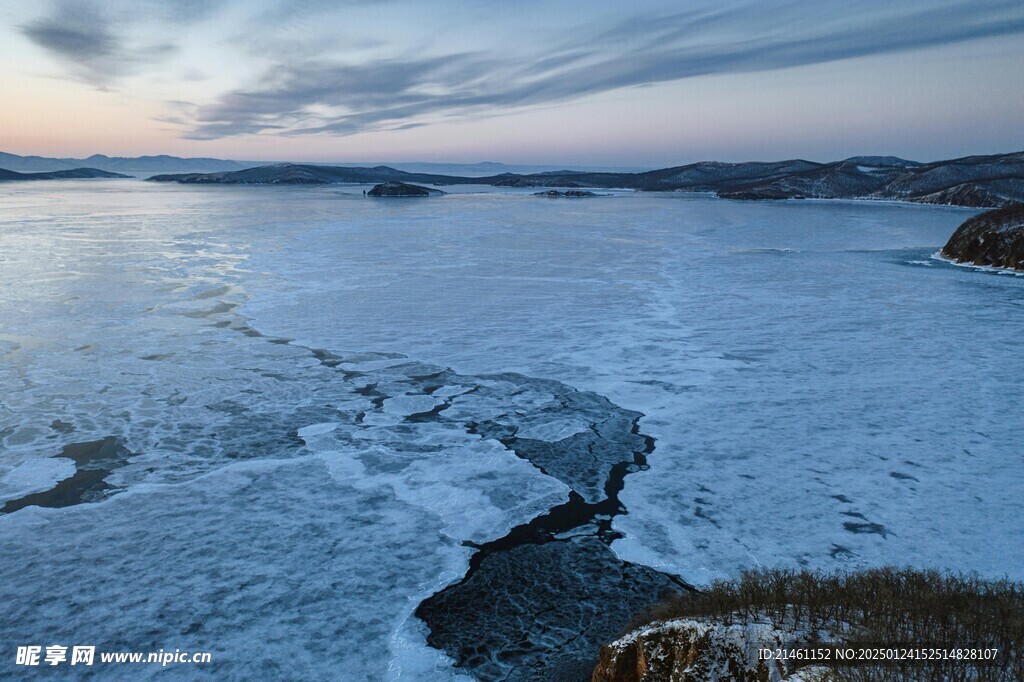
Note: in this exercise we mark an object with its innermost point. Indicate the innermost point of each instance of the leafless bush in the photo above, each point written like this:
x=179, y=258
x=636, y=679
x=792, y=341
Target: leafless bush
x=877, y=607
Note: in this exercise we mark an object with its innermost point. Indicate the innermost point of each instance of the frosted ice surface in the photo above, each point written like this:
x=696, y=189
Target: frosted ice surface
x=316, y=432
x=477, y=492
x=553, y=429
x=34, y=475
x=408, y=405
x=279, y=569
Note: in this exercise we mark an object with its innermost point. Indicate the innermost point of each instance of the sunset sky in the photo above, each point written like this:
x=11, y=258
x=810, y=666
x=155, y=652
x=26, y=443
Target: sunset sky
x=589, y=83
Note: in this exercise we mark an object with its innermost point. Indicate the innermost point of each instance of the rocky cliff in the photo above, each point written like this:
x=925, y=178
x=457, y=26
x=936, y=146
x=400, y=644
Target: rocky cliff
x=695, y=650
x=993, y=238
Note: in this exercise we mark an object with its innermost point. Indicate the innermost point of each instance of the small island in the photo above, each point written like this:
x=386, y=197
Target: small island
x=566, y=193
x=993, y=238
x=401, y=189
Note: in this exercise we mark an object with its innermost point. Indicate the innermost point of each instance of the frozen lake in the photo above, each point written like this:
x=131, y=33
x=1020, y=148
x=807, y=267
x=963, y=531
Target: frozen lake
x=314, y=407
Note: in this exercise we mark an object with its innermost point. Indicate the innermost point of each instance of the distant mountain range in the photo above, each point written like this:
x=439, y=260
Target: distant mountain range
x=975, y=181
x=302, y=174
x=73, y=174
x=144, y=166
x=140, y=165
x=484, y=168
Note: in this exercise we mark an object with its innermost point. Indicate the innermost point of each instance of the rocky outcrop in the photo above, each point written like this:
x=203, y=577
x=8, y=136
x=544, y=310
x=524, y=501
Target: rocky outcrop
x=566, y=193
x=401, y=189
x=993, y=238
x=695, y=650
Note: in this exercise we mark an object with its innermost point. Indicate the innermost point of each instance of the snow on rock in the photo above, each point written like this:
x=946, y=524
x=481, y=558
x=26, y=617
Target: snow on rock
x=696, y=650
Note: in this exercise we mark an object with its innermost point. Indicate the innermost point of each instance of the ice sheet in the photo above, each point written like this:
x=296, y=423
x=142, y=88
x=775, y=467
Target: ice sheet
x=819, y=397
x=322, y=384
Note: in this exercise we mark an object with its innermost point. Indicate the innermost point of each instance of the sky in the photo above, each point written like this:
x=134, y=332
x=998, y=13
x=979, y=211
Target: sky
x=642, y=84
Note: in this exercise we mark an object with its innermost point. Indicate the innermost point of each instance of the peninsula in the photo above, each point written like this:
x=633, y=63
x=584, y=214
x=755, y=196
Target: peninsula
x=73, y=174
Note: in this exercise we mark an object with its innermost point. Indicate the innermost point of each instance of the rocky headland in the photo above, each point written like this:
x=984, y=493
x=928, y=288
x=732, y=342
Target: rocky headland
x=993, y=238
x=700, y=650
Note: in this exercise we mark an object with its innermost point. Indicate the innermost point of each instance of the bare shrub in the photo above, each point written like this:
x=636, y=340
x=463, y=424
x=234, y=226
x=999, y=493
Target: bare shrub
x=876, y=607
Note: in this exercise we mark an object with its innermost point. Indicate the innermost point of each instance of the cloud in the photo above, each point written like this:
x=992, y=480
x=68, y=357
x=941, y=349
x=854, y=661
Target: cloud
x=91, y=38
x=313, y=95
x=73, y=33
